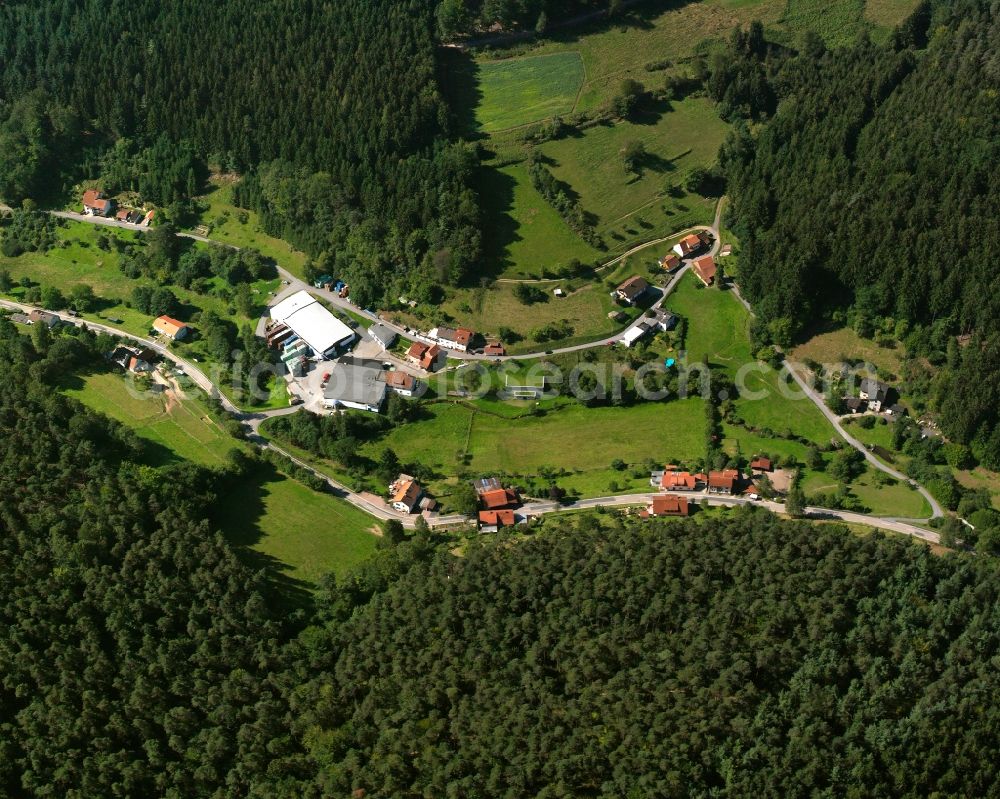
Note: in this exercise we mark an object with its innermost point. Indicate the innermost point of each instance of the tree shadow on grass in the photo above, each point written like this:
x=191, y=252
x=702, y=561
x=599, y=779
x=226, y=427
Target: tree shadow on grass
x=238, y=514
x=458, y=76
x=500, y=229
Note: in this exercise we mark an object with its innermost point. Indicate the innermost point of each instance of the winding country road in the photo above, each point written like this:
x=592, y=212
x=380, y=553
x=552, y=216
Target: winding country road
x=294, y=284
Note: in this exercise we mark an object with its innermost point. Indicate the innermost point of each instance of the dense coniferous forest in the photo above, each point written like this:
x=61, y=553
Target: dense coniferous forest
x=456, y=17
x=602, y=657
x=874, y=188
x=336, y=105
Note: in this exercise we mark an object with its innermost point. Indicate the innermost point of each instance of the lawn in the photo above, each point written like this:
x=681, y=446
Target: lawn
x=517, y=91
x=223, y=219
x=839, y=23
x=896, y=499
x=585, y=309
x=299, y=533
x=526, y=236
x=631, y=207
x=575, y=439
x=175, y=430
x=718, y=330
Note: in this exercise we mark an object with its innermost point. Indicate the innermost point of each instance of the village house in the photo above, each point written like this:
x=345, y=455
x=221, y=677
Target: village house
x=491, y=521
x=423, y=355
x=406, y=493
x=50, y=320
x=96, y=204
x=132, y=360
x=723, y=482
x=705, y=269
x=452, y=338
x=632, y=290
x=667, y=505
x=678, y=481
x=402, y=383
x=670, y=261
x=171, y=328
x=687, y=245
x=660, y=320
x=494, y=349
x=875, y=392
x=856, y=405
x=499, y=499
x=384, y=335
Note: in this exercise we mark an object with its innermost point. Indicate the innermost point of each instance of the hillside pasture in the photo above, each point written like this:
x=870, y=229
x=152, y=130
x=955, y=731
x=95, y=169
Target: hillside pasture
x=518, y=91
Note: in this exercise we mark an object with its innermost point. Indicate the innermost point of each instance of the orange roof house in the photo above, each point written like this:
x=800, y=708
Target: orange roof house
x=679, y=481
x=95, y=203
x=171, y=328
x=496, y=518
x=723, y=482
x=706, y=269
x=423, y=355
x=406, y=494
x=667, y=505
x=761, y=464
x=670, y=261
x=499, y=498
x=687, y=245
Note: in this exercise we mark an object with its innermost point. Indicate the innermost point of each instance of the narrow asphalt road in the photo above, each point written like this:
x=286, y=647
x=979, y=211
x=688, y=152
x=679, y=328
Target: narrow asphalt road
x=295, y=284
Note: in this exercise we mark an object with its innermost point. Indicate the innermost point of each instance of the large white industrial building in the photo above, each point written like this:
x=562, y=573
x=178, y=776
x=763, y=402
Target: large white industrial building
x=313, y=323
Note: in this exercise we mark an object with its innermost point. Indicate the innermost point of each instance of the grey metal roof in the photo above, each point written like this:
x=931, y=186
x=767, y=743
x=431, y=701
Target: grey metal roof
x=356, y=382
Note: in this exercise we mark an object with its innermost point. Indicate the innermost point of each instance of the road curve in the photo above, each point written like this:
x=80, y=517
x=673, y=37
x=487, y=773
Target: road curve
x=810, y=392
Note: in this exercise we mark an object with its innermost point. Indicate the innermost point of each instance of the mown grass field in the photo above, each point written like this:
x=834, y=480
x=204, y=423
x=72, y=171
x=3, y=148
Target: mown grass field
x=301, y=534
x=278, y=523
x=176, y=430
x=888, y=13
x=896, y=499
x=633, y=207
x=621, y=49
x=526, y=236
x=583, y=441
x=516, y=91
x=586, y=310
x=718, y=329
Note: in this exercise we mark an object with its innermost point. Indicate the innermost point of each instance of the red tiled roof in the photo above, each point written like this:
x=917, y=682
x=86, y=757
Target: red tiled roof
x=494, y=348
x=705, y=268
x=399, y=380
x=417, y=350
x=498, y=518
x=93, y=199
x=724, y=479
x=498, y=498
x=667, y=505
x=670, y=260
x=761, y=463
x=683, y=480
x=463, y=336
x=689, y=243
x=430, y=355
x=168, y=325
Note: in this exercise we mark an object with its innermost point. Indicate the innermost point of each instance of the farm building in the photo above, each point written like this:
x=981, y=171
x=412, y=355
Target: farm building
x=706, y=269
x=632, y=289
x=725, y=482
x=667, y=505
x=313, y=323
x=171, y=328
x=96, y=204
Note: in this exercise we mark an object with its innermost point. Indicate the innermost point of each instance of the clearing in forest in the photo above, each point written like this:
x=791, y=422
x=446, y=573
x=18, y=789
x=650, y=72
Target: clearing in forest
x=517, y=91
